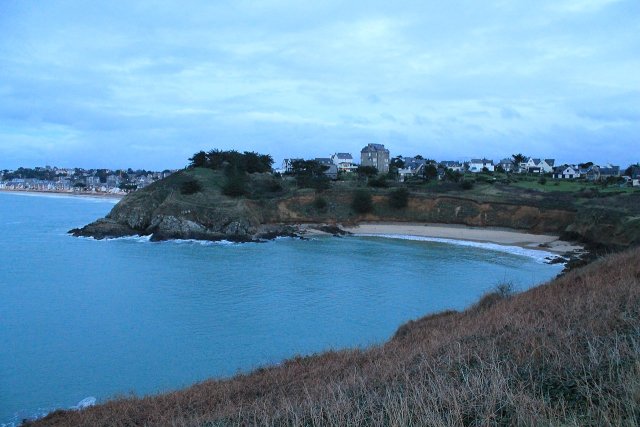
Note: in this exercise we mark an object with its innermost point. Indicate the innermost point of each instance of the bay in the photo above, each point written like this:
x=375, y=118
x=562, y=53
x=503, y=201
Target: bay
x=81, y=318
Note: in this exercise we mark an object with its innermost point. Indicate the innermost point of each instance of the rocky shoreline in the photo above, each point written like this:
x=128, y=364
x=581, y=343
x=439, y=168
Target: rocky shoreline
x=572, y=256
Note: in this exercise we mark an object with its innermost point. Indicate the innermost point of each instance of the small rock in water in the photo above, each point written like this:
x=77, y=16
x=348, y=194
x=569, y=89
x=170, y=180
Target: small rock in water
x=86, y=402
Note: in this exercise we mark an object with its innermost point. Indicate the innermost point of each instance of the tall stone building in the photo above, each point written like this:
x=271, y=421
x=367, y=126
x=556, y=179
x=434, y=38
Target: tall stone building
x=375, y=155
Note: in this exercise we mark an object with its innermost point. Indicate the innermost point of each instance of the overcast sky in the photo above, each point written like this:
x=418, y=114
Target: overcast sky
x=146, y=84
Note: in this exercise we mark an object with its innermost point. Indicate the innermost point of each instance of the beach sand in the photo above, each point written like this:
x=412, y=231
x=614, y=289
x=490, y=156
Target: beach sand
x=460, y=232
x=66, y=193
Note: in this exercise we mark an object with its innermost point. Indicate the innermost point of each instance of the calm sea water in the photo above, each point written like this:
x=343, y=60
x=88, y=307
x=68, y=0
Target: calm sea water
x=81, y=318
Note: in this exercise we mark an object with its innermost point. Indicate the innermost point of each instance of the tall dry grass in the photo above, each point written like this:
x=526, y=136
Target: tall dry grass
x=564, y=353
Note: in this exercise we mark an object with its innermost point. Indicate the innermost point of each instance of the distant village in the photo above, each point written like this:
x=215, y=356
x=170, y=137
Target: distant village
x=76, y=180
x=373, y=156
x=379, y=157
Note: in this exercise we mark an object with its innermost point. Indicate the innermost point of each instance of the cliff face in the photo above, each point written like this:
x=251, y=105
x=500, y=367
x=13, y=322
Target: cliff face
x=164, y=212
x=433, y=209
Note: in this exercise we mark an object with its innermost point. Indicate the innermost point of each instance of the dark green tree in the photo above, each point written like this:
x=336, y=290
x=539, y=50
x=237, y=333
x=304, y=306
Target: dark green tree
x=310, y=174
x=362, y=202
x=191, y=186
x=429, y=172
x=198, y=160
x=399, y=198
x=518, y=158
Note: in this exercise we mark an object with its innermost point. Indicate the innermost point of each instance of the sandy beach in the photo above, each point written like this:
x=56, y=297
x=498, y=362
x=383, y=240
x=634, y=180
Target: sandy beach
x=461, y=232
x=66, y=193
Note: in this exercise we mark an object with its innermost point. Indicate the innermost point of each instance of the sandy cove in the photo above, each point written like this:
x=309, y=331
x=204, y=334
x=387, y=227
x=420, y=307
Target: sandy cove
x=461, y=232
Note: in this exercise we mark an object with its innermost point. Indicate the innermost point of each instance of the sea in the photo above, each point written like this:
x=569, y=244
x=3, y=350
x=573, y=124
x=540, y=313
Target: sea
x=82, y=320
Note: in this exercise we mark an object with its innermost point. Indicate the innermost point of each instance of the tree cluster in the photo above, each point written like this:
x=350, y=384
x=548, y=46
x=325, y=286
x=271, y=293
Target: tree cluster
x=249, y=161
x=310, y=174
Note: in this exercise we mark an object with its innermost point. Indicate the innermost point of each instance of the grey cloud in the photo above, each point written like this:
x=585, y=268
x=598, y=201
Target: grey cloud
x=294, y=78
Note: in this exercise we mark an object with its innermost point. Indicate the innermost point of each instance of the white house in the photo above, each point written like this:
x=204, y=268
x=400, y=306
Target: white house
x=478, y=165
x=287, y=165
x=507, y=165
x=404, y=173
x=566, y=172
x=453, y=165
x=532, y=165
x=344, y=162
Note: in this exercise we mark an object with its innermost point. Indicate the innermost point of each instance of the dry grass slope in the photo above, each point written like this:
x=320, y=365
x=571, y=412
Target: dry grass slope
x=565, y=353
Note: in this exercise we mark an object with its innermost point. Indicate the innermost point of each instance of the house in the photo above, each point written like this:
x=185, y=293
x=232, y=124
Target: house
x=92, y=181
x=113, y=180
x=452, y=165
x=533, y=165
x=375, y=155
x=344, y=162
x=566, y=172
x=331, y=172
x=287, y=165
x=324, y=161
x=479, y=165
x=597, y=173
x=507, y=165
x=414, y=163
x=609, y=171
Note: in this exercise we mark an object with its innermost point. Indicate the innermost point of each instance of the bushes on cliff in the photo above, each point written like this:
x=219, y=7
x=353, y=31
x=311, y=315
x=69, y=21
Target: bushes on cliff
x=466, y=185
x=235, y=186
x=378, y=182
x=190, y=187
x=320, y=203
x=362, y=202
x=310, y=174
x=399, y=198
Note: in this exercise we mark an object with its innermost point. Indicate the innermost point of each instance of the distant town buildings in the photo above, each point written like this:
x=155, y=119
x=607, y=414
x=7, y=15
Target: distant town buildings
x=376, y=155
x=78, y=180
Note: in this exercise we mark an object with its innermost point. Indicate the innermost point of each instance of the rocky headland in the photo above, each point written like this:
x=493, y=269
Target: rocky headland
x=274, y=206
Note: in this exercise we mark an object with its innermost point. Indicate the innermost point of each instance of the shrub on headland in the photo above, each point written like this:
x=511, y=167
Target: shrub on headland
x=362, y=202
x=191, y=186
x=399, y=198
x=235, y=186
x=320, y=203
x=466, y=185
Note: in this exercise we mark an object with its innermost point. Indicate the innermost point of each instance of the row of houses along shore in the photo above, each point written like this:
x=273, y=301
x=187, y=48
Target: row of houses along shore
x=376, y=155
x=78, y=180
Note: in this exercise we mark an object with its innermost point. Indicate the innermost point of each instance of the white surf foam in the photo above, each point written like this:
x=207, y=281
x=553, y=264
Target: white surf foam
x=85, y=403
x=538, y=255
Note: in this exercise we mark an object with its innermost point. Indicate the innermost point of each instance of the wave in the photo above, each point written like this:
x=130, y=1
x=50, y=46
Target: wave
x=538, y=255
x=147, y=239
x=19, y=417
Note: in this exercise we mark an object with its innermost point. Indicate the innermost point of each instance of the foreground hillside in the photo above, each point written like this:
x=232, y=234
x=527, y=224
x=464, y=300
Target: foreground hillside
x=564, y=353
x=192, y=204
